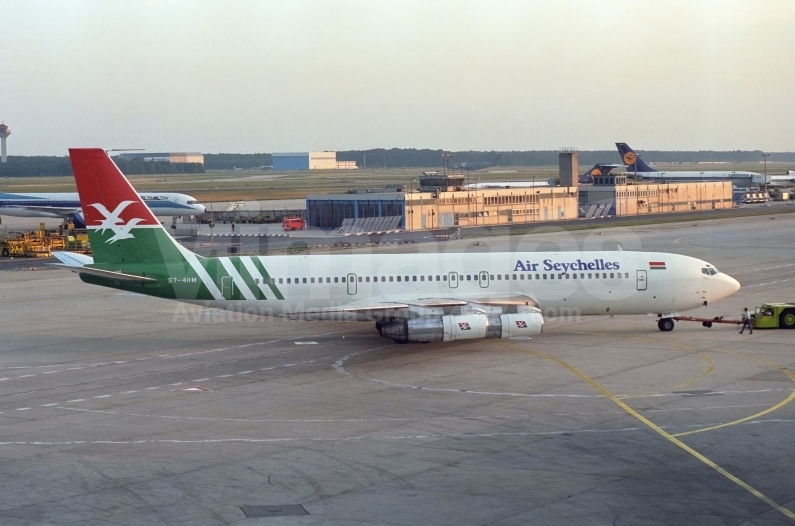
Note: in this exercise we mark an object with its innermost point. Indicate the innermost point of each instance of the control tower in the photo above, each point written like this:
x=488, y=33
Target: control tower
x=5, y=131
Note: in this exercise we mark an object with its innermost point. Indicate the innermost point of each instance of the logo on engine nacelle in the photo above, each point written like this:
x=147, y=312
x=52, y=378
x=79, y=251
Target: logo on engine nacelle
x=464, y=326
x=521, y=324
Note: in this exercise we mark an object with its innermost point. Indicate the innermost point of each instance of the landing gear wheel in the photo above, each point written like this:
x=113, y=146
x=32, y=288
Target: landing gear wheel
x=707, y=324
x=665, y=324
x=787, y=319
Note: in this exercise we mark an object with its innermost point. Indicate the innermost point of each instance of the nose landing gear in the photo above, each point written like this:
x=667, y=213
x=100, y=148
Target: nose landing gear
x=665, y=324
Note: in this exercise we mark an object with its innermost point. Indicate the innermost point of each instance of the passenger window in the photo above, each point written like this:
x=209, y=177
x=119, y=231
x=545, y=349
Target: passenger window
x=444, y=278
x=336, y=280
x=589, y=275
x=413, y=278
x=507, y=276
x=367, y=279
x=545, y=276
x=469, y=277
x=256, y=280
x=626, y=275
x=537, y=276
x=491, y=277
x=303, y=280
x=422, y=278
x=391, y=278
x=499, y=276
x=280, y=281
x=288, y=281
x=398, y=278
x=328, y=280
x=611, y=275
x=521, y=276
x=383, y=278
x=312, y=280
x=342, y=279
x=514, y=277
x=567, y=276
x=430, y=278
x=406, y=278
x=360, y=279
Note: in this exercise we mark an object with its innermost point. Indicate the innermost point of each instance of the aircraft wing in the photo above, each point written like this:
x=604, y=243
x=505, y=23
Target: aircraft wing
x=375, y=307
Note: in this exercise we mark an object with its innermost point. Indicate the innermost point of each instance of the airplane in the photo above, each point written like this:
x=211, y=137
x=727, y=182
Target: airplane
x=635, y=165
x=422, y=298
x=586, y=178
x=67, y=205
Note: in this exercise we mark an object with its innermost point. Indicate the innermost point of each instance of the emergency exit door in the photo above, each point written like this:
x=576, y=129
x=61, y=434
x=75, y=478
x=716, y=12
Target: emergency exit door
x=641, y=280
x=351, y=284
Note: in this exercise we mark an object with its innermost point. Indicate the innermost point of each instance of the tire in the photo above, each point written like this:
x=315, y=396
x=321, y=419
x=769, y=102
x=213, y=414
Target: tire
x=787, y=319
x=665, y=324
x=707, y=324
x=6, y=253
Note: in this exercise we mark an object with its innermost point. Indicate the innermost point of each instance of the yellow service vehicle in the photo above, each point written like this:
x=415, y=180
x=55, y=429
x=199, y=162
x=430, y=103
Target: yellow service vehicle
x=774, y=316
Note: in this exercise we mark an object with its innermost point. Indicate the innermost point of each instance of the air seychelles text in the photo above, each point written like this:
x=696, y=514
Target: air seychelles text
x=549, y=265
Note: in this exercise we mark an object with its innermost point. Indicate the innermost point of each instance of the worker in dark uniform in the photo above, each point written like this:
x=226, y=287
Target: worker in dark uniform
x=747, y=321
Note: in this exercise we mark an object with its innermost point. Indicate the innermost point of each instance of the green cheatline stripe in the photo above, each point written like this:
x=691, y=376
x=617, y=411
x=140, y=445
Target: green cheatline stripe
x=237, y=262
x=258, y=264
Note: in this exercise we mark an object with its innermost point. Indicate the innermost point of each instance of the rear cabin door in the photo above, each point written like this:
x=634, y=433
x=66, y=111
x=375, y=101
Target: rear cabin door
x=453, y=277
x=227, y=287
x=352, y=284
x=641, y=280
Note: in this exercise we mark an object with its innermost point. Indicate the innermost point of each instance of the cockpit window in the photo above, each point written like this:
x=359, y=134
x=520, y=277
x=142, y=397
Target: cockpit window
x=709, y=271
x=192, y=202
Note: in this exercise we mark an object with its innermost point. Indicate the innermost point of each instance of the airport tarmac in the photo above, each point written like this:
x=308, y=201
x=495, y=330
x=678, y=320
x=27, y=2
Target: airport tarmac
x=120, y=409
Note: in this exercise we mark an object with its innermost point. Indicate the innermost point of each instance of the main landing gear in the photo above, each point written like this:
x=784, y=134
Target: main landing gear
x=665, y=324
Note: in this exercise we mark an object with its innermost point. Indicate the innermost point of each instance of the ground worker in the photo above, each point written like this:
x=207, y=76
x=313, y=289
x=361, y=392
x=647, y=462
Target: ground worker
x=747, y=321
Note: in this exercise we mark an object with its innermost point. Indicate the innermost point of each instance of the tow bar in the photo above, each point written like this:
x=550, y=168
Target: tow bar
x=707, y=322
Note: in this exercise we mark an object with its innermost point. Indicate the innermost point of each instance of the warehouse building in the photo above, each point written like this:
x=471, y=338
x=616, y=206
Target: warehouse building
x=441, y=202
x=168, y=157
x=611, y=195
x=310, y=161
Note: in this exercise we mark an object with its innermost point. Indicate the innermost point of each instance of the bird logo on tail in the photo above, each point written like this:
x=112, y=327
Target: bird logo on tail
x=113, y=222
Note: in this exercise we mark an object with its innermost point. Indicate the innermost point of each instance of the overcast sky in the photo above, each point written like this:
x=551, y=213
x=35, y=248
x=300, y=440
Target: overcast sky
x=271, y=76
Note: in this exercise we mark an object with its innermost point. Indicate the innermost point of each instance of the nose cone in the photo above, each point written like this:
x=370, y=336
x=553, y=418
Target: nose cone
x=200, y=208
x=726, y=286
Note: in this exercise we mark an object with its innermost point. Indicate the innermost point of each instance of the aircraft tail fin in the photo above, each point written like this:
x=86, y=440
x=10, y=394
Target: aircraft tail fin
x=631, y=160
x=598, y=169
x=121, y=228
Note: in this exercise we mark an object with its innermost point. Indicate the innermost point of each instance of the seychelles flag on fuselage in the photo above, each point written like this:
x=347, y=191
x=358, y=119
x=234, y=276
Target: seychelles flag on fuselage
x=657, y=265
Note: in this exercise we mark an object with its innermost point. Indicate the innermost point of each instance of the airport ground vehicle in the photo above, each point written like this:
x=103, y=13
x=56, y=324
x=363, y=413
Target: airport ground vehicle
x=39, y=243
x=774, y=316
x=293, y=223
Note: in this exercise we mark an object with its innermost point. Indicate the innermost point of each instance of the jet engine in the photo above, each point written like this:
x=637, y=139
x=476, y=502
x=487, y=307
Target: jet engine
x=463, y=327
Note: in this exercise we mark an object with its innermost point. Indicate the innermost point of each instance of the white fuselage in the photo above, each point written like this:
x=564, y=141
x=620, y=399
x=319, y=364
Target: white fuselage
x=61, y=204
x=559, y=283
x=734, y=176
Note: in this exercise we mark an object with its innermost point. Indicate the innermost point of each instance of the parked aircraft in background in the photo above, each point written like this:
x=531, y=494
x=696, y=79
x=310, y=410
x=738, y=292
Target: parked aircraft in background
x=598, y=169
x=67, y=205
x=636, y=166
x=425, y=297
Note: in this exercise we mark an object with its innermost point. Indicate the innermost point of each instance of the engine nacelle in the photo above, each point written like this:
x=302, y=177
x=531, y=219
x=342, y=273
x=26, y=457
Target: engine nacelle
x=464, y=327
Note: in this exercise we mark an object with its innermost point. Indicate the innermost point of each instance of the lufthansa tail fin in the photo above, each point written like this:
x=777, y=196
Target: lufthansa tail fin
x=631, y=160
x=121, y=228
x=598, y=169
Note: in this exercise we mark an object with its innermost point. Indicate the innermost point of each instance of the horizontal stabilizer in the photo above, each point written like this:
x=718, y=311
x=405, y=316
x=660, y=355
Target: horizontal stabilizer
x=120, y=277
x=72, y=259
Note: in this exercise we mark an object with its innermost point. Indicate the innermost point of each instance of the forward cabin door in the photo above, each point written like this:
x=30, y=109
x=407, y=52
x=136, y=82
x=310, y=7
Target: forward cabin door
x=484, y=279
x=453, y=279
x=641, y=280
x=352, y=284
